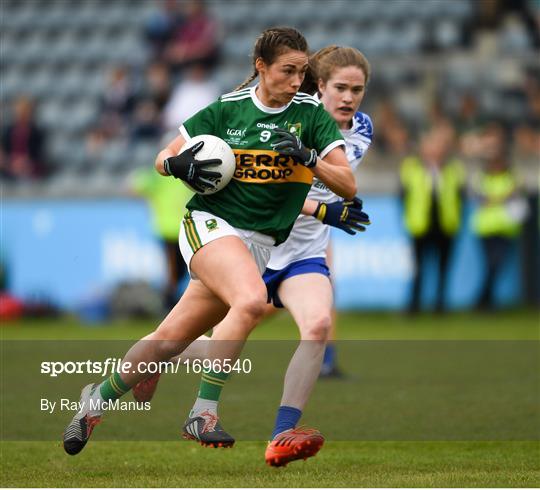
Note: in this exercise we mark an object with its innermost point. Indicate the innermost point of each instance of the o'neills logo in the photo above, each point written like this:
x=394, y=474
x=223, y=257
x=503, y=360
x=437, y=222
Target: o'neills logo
x=269, y=167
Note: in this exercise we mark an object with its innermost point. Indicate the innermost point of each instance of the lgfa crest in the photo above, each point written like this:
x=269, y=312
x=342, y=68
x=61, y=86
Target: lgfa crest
x=295, y=128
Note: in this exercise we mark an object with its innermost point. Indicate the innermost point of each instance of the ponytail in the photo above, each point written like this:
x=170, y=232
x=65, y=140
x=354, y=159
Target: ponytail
x=247, y=81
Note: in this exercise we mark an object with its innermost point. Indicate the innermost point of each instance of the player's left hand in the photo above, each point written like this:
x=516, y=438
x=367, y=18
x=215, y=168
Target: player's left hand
x=345, y=215
x=291, y=145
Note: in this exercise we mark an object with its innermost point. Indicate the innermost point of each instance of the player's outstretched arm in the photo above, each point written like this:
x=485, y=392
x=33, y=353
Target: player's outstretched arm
x=345, y=215
x=336, y=173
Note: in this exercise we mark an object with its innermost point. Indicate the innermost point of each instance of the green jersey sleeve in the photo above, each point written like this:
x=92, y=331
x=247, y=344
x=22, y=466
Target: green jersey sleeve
x=206, y=121
x=324, y=134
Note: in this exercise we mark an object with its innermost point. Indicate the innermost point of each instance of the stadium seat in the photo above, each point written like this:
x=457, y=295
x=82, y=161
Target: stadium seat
x=230, y=76
x=53, y=18
x=514, y=38
x=64, y=49
x=9, y=43
x=143, y=154
x=233, y=14
x=60, y=147
x=407, y=40
x=60, y=51
x=129, y=48
x=446, y=35
x=238, y=47
x=81, y=115
x=457, y=10
x=114, y=155
x=12, y=83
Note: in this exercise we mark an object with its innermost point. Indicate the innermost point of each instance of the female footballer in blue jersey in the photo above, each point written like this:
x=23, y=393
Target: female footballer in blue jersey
x=226, y=267
x=297, y=276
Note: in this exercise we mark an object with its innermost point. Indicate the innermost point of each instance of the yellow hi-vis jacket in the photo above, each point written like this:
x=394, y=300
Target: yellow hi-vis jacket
x=493, y=216
x=167, y=199
x=417, y=183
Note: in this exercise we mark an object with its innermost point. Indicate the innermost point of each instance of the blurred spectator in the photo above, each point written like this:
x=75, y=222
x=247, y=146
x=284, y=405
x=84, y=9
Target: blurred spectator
x=432, y=194
x=527, y=132
x=22, y=156
x=468, y=117
x=95, y=141
x=501, y=208
x=167, y=199
x=527, y=139
x=162, y=23
x=193, y=93
x=145, y=123
x=393, y=136
x=495, y=15
x=157, y=84
x=117, y=102
x=195, y=40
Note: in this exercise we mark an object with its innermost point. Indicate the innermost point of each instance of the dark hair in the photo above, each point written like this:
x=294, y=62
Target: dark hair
x=326, y=60
x=270, y=44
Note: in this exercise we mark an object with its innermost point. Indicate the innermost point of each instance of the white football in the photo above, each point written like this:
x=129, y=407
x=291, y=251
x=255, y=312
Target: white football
x=214, y=147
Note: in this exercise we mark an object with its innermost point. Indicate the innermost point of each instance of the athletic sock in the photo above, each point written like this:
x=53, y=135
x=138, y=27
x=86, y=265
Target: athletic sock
x=329, y=359
x=202, y=405
x=287, y=418
x=112, y=388
x=212, y=383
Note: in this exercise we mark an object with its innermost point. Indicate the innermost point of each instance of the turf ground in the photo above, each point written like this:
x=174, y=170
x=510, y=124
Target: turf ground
x=340, y=463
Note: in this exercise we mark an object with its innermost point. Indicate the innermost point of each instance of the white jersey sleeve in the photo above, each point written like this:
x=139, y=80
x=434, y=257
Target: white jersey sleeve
x=309, y=237
x=357, y=141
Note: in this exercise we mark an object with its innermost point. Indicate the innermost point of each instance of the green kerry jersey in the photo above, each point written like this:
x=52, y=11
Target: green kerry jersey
x=268, y=190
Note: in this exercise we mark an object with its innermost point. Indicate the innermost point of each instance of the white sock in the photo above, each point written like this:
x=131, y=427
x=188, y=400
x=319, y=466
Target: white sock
x=201, y=405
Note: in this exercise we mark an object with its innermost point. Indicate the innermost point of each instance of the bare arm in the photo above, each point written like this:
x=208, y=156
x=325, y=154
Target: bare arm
x=309, y=207
x=171, y=150
x=336, y=173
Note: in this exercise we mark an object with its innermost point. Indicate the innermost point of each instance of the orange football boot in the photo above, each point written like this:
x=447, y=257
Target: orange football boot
x=293, y=444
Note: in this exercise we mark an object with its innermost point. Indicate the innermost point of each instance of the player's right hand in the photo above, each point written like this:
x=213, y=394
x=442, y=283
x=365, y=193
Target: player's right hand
x=192, y=171
x=345, y=215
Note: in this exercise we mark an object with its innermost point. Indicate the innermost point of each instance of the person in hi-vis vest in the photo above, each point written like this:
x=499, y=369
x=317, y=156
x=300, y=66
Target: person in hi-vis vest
x=432, y=188
x=167, y=200
x=501, y=210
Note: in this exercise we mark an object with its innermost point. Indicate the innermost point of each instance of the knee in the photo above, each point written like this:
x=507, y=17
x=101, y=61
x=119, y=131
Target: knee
x=317, y=328
x=252, y=306
x=165, y=343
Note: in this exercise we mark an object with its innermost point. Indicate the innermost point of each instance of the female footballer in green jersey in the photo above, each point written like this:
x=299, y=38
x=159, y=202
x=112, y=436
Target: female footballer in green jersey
x=281, y=130
x=297, y=276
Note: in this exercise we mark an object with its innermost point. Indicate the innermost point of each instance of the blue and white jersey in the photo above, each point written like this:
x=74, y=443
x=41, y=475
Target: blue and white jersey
x=309, y=237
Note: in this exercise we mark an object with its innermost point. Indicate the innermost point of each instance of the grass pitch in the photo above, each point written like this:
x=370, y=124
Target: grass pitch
x=339, y=464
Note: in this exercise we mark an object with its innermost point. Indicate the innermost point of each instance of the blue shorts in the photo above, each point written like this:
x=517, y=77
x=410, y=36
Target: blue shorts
x=273, y=278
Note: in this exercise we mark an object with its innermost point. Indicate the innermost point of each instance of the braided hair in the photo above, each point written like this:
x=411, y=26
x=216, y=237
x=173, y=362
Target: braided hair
x=270, y=44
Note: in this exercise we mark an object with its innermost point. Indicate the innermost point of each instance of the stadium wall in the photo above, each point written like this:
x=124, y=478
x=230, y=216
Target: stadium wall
x=70, y=251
